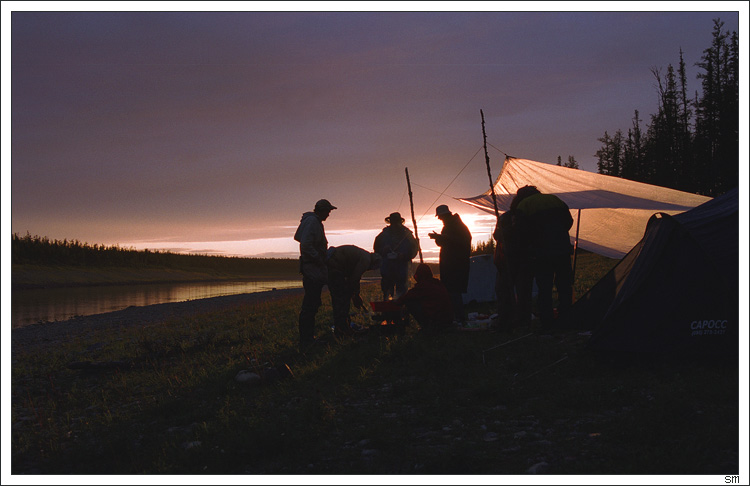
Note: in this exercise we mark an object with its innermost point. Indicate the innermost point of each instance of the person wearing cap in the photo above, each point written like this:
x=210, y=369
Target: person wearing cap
x=428, y=301
x=346, y=265
x=455, y=254
x=313, y=246
x=397, y=246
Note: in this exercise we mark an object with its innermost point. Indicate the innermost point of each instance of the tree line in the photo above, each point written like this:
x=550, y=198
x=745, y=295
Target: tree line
x=38, y=250
x=692, y=141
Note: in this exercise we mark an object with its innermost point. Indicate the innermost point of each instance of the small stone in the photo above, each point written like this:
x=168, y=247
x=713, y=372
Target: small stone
x=538, y=468
x=248, y=378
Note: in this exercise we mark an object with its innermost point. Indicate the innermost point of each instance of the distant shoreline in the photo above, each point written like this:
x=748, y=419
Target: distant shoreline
x=26, y=276
x=49, y=333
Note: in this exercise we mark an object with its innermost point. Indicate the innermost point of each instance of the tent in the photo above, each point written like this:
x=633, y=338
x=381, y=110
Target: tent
x=482, y=273
x=677, y=290
x=609, y=213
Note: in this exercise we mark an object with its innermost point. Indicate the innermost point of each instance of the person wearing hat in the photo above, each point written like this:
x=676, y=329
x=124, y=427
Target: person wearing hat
x=455, y=253
x=397, y=246
x=428, y=301
x=346, y=265
x=313, y=246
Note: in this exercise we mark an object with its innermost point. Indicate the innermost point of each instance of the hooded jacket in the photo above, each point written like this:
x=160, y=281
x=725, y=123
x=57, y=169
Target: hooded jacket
x=312, y=247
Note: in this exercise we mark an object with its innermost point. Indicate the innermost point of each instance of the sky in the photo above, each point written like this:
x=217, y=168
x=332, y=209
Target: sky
x=213, y=131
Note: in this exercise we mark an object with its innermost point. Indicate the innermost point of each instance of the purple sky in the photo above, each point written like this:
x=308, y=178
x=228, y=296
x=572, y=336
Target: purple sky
x=215, y=131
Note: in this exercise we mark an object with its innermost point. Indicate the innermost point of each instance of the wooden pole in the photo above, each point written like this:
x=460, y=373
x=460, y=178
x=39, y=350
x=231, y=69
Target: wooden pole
x=413, y=219
x=489, y=174
x=575, y=246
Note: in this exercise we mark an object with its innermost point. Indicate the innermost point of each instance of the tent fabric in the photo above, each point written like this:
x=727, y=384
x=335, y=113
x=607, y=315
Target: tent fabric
x=614, y=211
x=482, y=274
x=677, y=290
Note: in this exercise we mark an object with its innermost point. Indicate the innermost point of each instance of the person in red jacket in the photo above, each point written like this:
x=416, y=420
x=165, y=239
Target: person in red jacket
x=428, y=301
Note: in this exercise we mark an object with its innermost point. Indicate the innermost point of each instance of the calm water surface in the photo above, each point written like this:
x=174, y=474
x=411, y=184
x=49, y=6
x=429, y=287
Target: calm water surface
x=42, y=305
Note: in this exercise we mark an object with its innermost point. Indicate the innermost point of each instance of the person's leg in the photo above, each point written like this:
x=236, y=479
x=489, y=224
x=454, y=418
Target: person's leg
x=564, y=284
x=523, y=286
x=340, y=299
x=505, y=294
x=544, y=276
x=400, y=288
x=386, y=285
x=310, y=304
x=457, y=299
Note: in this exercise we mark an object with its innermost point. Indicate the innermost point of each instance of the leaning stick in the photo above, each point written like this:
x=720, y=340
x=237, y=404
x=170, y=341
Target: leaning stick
x=489, y=174
x=413, y=219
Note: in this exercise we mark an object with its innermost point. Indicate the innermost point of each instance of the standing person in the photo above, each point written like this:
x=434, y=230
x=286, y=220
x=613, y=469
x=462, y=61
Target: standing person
x=455, y=254
x=544, y=222
x=428, y=301
x=346, y=265
x=313, y=246
x=506, y=262
x=397, y=246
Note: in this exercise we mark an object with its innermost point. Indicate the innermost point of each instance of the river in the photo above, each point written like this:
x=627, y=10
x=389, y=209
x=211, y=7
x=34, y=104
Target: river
x=47, y=305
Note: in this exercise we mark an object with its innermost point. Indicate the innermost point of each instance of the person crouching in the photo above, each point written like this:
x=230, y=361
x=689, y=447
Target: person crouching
x=428, y=302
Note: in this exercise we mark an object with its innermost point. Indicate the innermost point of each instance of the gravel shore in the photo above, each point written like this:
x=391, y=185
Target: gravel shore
x=48, y=333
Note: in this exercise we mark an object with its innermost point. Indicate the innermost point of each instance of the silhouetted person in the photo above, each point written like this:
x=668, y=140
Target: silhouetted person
x=397, y=247
x=346, y=265
x=506, y=262
x=455, y=257
x=428, y=301
x=313, y=246
x=543, y=222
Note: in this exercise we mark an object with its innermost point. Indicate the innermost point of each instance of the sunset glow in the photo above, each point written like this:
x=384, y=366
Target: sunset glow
x=214, y=131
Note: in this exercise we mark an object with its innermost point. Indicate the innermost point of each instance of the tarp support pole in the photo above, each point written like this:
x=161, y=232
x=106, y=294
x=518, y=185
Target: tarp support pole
x=489, y=174
x=413, y=219
x=575, y=246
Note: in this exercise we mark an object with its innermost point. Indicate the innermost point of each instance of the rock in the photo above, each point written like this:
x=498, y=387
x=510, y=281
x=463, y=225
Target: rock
x=192, y=444
x=248, y=378
x=538, y=468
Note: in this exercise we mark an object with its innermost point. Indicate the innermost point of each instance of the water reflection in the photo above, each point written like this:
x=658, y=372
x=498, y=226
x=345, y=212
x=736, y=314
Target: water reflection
x=41, y=305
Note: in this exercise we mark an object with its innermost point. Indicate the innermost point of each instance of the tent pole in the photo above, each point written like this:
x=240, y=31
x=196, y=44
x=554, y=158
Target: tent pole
x=575, y=246
x=489, y=174
x=413, y=219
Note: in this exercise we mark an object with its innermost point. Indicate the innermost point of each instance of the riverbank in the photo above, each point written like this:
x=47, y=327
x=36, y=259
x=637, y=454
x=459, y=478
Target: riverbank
x=27, y=276
x=218, y=386
x=47, y=334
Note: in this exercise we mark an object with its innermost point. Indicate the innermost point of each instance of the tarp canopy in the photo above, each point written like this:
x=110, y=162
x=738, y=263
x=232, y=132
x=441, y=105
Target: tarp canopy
x=677, y=290
x=614, y=210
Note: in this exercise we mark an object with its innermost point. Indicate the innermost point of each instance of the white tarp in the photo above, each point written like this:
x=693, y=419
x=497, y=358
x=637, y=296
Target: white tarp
x=614, y=210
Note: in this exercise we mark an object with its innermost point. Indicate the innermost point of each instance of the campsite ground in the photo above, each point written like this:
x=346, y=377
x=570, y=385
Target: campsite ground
x=160, y=395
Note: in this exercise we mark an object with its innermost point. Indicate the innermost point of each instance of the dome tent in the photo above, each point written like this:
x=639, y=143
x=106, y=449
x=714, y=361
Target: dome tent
x=676, y=291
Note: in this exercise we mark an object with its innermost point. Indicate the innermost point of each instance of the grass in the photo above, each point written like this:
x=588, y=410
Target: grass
x=165, y=401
